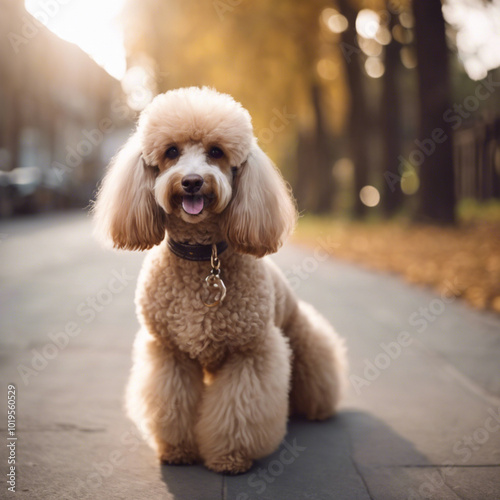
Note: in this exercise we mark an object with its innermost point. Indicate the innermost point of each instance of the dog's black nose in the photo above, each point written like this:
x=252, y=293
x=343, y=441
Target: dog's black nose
x=192, y=183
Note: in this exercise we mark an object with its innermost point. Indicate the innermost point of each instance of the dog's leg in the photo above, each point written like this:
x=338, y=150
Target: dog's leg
x=244, y=410
x=163, y=395
x=319, y=364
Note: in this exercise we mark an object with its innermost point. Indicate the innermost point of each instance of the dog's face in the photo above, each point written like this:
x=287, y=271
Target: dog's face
x=195, y=180
x=194, y=156
x=196, y=139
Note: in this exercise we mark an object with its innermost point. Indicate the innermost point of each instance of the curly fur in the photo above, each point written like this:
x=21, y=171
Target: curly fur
x=214, y=384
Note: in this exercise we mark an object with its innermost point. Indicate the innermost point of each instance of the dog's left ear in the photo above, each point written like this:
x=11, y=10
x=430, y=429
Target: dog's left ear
x=262, y=212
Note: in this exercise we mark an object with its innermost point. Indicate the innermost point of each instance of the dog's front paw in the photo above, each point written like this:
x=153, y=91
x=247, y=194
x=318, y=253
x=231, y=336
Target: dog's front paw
x=178, y=454
x=233, y=463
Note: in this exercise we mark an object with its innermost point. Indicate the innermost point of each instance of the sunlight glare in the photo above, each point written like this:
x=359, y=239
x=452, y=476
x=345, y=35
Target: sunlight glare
x=93, y=25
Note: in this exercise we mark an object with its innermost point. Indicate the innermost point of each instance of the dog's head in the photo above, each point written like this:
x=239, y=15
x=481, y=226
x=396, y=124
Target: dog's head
x=194, y=156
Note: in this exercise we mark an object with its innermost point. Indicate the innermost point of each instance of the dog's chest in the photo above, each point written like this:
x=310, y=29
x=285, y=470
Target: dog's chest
x=171, y=304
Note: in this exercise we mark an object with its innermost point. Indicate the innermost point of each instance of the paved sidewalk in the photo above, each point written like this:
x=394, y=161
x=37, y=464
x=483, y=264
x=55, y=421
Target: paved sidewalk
x=421, y=420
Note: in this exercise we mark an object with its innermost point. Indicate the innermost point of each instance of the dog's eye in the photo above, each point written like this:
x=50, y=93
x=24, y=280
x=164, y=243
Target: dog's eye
x=172, y=153
x=216, y=153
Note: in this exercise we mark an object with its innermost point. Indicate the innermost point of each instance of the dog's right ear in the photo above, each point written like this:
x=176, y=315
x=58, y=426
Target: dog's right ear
x=262, y=212
x=125, y=212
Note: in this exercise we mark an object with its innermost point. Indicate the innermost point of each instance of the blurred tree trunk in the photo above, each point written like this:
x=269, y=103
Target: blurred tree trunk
x=14, y=130
x=437, y=196
x=305, y=152
x=313, y=187
x=357, y=127
x=392, y=196
x=322, y=180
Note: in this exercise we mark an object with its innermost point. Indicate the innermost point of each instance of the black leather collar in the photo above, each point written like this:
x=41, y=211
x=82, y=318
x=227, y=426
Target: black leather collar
x=199, y=253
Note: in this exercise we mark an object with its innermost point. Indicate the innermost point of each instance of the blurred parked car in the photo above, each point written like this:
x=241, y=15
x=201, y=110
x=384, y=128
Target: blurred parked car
x=32, y=189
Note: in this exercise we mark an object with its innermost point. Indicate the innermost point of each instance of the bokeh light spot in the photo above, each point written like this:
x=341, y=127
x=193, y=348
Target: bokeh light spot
x=369, y=46
x=408, y=57
x=374, y=67
x=383, y=36
x=367, y=23
x=137, y=85
x=410, y=183
x=337, y=23
x=369, y=196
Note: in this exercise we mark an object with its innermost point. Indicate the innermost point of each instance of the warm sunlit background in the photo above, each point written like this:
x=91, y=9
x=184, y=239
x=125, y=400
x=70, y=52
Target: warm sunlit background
x=374, y=110
x=97, y=29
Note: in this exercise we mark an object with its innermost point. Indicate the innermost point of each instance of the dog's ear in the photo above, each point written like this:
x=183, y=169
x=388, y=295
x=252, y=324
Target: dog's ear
x=125, y=212
x=262, y=212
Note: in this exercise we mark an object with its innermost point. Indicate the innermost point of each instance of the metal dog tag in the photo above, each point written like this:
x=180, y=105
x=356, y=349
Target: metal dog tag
x=216, y=290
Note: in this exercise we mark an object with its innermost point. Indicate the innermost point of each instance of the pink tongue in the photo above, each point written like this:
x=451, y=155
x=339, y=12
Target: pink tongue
x=193, y=205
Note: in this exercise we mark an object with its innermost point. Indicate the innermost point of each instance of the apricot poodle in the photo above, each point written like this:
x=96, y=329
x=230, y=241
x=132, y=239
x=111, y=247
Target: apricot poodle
x=225, y=351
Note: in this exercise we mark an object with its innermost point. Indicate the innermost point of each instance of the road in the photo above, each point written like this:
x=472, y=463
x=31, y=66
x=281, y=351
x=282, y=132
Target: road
x=421, y=419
